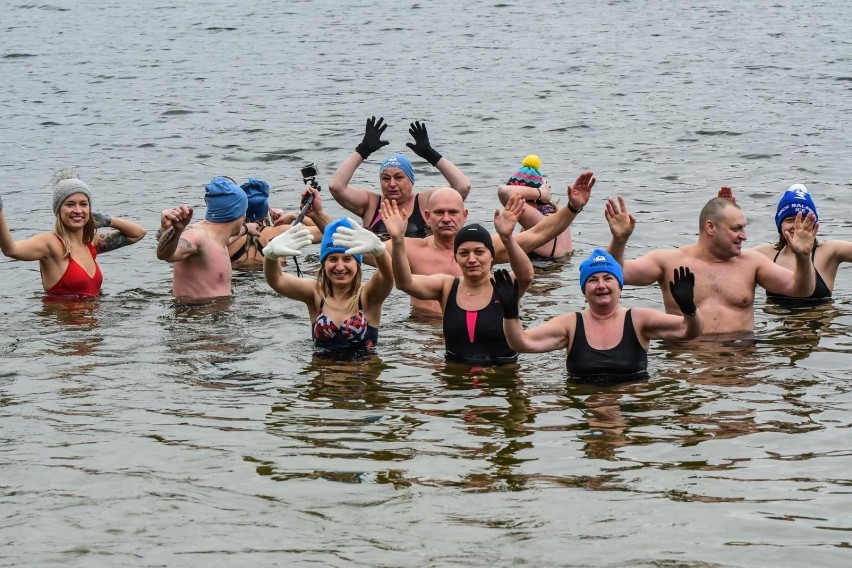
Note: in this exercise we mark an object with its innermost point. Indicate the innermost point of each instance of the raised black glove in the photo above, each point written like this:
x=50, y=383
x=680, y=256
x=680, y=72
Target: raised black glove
x=101, y=220
x=372, y=137
x=683, y=290
x=507, y=291
x=421, y=145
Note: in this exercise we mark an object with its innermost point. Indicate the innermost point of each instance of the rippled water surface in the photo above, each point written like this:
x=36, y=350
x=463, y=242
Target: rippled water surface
x=135, y=432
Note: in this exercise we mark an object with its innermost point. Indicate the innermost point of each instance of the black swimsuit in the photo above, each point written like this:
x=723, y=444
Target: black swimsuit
x=476, y=337
x=627, y=361
x=821, y=292
x=417, y=226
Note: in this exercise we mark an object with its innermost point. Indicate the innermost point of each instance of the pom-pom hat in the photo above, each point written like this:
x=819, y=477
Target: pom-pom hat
x=529, y=174
x=796, y=199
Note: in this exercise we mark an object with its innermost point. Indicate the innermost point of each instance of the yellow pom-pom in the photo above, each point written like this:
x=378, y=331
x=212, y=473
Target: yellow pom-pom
x=532, y=161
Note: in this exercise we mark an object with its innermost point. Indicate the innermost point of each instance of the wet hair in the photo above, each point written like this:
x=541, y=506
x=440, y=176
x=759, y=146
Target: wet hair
x=353, y=293
x=712, y=211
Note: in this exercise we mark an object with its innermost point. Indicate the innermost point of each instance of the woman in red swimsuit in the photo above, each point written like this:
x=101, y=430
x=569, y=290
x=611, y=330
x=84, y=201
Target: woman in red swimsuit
x=67, y=255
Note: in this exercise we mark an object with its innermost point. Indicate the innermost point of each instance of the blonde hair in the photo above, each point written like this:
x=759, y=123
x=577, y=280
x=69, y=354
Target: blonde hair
x=88, y=232
x=353, y=293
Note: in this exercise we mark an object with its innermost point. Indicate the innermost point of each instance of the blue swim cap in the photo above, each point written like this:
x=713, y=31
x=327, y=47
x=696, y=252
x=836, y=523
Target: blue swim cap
x=794, y=200
x=398, y=161
x=257, y=192
x=226, y=200
x=327, y=246
x=600, y=261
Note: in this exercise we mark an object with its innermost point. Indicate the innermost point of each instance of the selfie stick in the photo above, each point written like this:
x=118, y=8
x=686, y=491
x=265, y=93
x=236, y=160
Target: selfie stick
x=308, y=200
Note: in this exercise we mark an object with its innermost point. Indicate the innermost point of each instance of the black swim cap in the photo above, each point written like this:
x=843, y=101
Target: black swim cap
x=474, y=233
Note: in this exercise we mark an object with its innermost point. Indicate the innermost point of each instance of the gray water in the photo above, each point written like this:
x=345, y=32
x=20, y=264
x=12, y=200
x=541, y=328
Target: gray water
x=134, y=432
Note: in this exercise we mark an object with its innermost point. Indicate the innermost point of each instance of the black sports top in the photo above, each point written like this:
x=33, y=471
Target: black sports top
x=417, y=226
x=626, y=361
x=476, y=337
x=821, y=292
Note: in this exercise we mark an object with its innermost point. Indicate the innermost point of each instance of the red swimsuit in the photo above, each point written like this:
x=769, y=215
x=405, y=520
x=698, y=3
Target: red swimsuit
x=76, y=282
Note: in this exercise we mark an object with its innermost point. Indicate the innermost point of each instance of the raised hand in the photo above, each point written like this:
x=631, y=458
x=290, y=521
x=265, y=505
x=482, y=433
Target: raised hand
x=394, y=218
x=176, y=217
x=505, y=220
x=421, y=145
x=358, y=240
x=546, y=192
x=508, y=291
x=726, y=192
x=101, y=220
x=683, y=290
x=581, y=190
x=289, y=243
x=621, y=221
x=372, y=137
x=804, y=234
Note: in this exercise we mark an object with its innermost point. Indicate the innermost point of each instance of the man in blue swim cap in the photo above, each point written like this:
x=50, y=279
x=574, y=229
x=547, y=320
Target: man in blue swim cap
x=396, y=175
x=202, y=267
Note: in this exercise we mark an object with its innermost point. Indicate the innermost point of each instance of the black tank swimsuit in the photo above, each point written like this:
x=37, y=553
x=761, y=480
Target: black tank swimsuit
x=417, y=226
x=627, y=361
x=476, y=338
x=821, y=292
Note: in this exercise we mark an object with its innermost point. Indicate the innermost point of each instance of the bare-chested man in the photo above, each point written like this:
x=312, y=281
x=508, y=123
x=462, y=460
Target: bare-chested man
x=396, y=176
x=202, y=267
x=725, y=275
x=446, y=215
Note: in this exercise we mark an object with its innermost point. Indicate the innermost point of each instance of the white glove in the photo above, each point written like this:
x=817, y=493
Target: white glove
x=358, y=240
x=288, y=243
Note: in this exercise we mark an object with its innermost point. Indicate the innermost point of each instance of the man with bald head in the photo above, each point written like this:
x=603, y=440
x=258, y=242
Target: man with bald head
x=726, y=275
x=445, y=214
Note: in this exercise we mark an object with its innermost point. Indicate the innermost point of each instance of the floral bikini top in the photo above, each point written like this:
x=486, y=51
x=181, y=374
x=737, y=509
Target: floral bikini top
x=353, y=333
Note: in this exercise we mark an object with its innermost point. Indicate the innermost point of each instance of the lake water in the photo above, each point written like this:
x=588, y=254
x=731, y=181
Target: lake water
x=134, y=432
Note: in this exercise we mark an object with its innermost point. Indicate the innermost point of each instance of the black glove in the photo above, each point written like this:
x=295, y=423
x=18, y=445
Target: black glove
x=507, y=291
x=683, y=290
x=372, y=137
x=101, y=220
x=421, y=145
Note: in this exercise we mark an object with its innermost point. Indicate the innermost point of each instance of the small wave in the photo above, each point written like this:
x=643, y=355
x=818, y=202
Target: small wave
x=718, y=133
x=18, y=55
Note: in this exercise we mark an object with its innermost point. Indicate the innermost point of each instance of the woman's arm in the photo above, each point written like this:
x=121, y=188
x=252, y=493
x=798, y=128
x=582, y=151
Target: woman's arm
x=654, y=324
x=549, y=336
x=126, y=233
x=34, y=248
x=504, y=223
x=420, y=286
x=301, y=289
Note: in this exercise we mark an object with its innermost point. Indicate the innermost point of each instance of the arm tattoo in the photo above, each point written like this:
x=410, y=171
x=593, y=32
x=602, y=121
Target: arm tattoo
x=165, y=238
x=112, y=241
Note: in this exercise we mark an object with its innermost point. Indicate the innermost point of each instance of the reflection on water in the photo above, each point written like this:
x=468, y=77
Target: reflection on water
x=122, y=418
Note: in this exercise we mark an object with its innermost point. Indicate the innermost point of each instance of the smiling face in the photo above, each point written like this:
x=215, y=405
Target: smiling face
x=74, y=212
x=602, y=290
x=396, y=185
x=340, y=268
x=728, y=233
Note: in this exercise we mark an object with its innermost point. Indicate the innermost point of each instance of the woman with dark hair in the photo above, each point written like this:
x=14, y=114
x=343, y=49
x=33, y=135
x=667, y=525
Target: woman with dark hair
x=473, y=331
x=826, y=256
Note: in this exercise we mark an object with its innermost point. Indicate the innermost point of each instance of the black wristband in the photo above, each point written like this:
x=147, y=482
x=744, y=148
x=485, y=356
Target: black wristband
x=361, y=150
x=573, y=209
